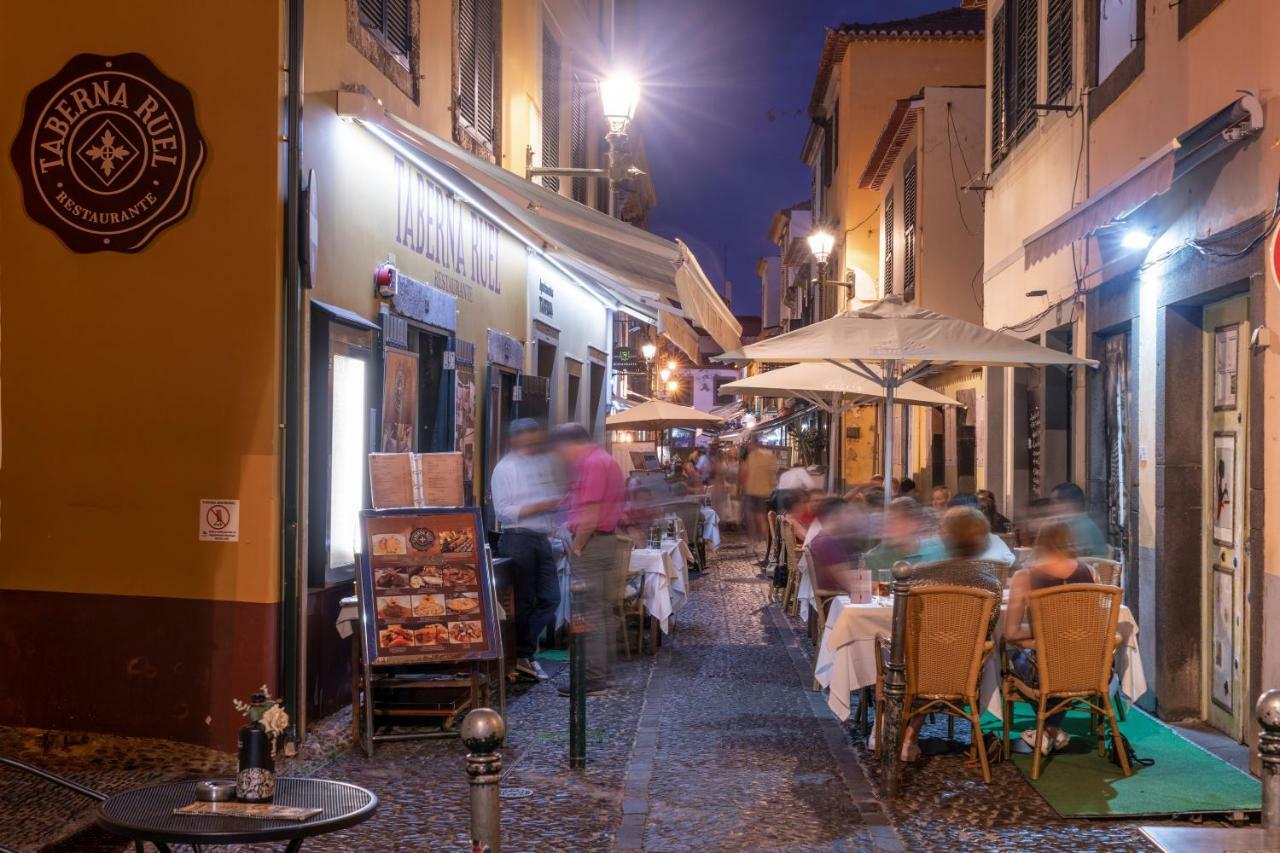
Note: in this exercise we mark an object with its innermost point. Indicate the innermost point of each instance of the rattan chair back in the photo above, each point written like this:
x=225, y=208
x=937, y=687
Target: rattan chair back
x=1106, y=571
x=1075, y=632
x=947, y=630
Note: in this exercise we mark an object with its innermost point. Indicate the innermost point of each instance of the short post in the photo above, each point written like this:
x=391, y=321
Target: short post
x=1268, y=711
x=483, y=731
x=895, y=683
x=577, y=685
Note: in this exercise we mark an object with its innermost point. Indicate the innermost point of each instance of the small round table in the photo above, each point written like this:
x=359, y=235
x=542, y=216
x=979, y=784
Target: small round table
x=146, y=814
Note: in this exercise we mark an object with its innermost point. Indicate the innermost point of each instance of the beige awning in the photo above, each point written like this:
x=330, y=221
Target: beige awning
x=1122, y=196
x=829, y=386
x=680, y=333
x=645, y=272
x=659, y=414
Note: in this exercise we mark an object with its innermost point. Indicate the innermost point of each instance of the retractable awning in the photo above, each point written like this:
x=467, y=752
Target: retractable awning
x=646, y=273
x=1153, y=177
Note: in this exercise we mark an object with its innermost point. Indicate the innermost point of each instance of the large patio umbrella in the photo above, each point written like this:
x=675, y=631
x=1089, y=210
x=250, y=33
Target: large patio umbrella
x=890, y=343
x=831, y=388
x=660, y=415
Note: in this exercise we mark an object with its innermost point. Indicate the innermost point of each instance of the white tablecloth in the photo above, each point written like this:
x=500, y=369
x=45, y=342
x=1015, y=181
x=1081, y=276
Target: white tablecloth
x=665, y=573
x=711, y=527
x=847, y=660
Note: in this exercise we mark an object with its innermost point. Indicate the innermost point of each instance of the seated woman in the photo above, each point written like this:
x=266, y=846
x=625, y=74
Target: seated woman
x=829, y=551
x=904, y=538
x=1053, y=564
x=964, y=531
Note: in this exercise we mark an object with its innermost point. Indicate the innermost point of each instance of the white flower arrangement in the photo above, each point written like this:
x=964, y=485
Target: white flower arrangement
x=266, y=711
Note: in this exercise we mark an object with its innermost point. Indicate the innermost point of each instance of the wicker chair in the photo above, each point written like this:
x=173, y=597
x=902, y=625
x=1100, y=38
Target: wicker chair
x=1106, y=571
x=690, y=514
x=947, y=645
x=1075, y=644
x=630, y=600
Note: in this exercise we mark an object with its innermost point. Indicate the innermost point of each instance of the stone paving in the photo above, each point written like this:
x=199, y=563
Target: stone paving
x=715, y=743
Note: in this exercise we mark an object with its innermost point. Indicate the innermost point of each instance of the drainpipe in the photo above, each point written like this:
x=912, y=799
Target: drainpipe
x=292, y=590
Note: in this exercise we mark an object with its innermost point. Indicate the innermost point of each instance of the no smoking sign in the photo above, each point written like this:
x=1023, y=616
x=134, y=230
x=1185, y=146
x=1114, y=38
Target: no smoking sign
x=219, y=520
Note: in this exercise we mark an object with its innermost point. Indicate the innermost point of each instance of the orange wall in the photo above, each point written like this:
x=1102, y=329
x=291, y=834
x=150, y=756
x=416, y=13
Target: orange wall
x=132, y=386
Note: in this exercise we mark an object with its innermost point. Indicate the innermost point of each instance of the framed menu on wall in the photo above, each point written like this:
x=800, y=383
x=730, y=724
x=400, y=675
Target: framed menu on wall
x=426, y=587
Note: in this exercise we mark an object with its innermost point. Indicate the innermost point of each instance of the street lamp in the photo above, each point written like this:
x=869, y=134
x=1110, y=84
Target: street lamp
x=648, y=350
x=821, y=242
x=619, y=95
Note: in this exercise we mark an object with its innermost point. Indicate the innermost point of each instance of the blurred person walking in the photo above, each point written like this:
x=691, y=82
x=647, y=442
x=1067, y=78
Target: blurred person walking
x=525, y=495
x=759, y=477
x=595, y=512
x=1069, y=508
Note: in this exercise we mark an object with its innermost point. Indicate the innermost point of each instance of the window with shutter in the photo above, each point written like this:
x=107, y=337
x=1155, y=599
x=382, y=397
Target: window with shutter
x=835, y=135
x=385, y=33
x=477, y=73
x=999, y=75
x=389, y=21
x=888, y=243
x=550, y=107
x=578, y=136
x=827, y=147
x=1059, y=49
x=909, y=211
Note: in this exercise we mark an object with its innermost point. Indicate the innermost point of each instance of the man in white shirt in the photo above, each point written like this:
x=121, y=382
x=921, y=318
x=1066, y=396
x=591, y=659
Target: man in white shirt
x=800, y=478
x=525, y=495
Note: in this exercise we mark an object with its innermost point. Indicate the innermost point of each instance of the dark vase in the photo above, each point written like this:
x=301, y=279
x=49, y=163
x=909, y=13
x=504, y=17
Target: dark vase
x=255, y=776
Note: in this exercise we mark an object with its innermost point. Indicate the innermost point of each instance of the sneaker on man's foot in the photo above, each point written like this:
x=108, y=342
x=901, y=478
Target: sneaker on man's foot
x=530, y=668
x=1047, y=744
x=593, y=689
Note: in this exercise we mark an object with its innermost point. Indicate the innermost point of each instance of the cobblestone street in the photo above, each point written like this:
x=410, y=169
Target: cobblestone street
x=715, y=743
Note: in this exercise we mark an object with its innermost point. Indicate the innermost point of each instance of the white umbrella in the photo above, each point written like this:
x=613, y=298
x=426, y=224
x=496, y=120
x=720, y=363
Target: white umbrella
x=890, y=343
x=660, y=415
x=833, y=389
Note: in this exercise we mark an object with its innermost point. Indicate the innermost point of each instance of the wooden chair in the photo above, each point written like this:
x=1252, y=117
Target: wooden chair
x=790, y=599
x=690, y=514
x=946, y=648
x=775, y=592
x=1106, y=571
x=1075, y=644
x=630, y=597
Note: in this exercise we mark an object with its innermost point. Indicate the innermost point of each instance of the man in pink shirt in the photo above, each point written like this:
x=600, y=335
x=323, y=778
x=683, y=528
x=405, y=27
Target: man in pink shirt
x=596, y=500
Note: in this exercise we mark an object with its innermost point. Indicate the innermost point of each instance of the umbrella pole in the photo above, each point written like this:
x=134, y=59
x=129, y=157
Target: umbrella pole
x=895, y=682
x=833, y=445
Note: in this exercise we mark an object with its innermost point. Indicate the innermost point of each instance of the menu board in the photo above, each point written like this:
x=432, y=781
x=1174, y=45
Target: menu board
x=426, y=587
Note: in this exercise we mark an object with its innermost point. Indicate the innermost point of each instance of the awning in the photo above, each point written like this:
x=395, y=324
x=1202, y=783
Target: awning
x=783, y=420
x=644, y=272
x=1147, y=180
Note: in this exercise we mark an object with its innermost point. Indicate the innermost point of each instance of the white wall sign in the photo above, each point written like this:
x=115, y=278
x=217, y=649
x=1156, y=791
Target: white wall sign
x=219, y=520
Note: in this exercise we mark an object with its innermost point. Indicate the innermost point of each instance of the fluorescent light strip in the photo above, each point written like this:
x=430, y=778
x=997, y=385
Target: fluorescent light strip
x=424, y=164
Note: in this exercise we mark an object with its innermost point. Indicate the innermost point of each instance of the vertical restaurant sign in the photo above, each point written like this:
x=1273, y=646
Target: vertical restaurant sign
x=108, y=152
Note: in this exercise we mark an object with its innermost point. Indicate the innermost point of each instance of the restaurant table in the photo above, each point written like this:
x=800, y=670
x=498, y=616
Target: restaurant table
x=711, y=528
x=146, y=814
x=847, y=659
x=665, y=573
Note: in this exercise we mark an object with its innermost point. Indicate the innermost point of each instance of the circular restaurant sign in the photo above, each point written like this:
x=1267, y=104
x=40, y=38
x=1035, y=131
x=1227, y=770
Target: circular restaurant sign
x=108, y=152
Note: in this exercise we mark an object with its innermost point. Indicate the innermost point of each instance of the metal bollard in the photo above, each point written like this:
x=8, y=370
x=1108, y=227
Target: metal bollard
x=895, y=683
x=1268, y=711
x=577, y=681
x=482, y=731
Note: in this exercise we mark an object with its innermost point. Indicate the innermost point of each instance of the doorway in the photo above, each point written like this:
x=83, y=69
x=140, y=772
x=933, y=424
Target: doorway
x=1226, y=488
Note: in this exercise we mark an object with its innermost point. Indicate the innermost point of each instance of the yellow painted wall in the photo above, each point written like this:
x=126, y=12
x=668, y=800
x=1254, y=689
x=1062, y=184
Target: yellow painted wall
x=872, y=77
x=135, y=385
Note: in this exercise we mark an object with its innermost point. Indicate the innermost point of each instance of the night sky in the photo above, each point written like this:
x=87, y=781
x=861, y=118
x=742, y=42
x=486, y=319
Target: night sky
x=726, y=86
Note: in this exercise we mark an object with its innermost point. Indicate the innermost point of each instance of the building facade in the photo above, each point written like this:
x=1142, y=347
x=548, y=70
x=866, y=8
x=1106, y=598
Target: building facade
x=1130, y=211
x=343, y=260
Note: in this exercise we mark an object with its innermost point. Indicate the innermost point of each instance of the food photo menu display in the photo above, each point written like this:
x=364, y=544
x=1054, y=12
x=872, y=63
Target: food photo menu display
x=426, y=589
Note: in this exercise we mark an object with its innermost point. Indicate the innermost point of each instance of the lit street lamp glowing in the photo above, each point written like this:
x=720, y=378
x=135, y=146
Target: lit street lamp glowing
x=648, y=351
x=664, y=374
x=672, y=386
x=821, y=243
x=1137, y=239
x=619, y=94
x=671, y=365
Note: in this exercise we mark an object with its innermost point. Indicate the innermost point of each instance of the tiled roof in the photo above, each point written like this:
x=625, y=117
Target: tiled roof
x=958, y=22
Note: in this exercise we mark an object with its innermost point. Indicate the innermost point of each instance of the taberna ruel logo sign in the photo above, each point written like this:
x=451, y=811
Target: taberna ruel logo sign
x=108, y=152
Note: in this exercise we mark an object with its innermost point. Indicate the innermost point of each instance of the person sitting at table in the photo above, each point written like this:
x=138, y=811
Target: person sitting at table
x=999, y=524
x=997, y=550
x=829, y=552
x=903, y=540
x=1053, y=563
x=964, y=531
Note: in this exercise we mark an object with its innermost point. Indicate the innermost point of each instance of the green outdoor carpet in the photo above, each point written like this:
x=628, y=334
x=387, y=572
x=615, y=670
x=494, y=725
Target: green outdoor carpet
x=553, y=654
x=1185, y=779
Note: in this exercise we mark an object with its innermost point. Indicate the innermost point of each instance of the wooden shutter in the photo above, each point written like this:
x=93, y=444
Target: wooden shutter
x=1026, y=50
x=888, y=243
x=396, y=27
x=909, y=232
x=1058, y=46
x=999, y=91
x=835, y=135
x=477, y=67
x=371, y=14
x=550, y=107
x=578, y=136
